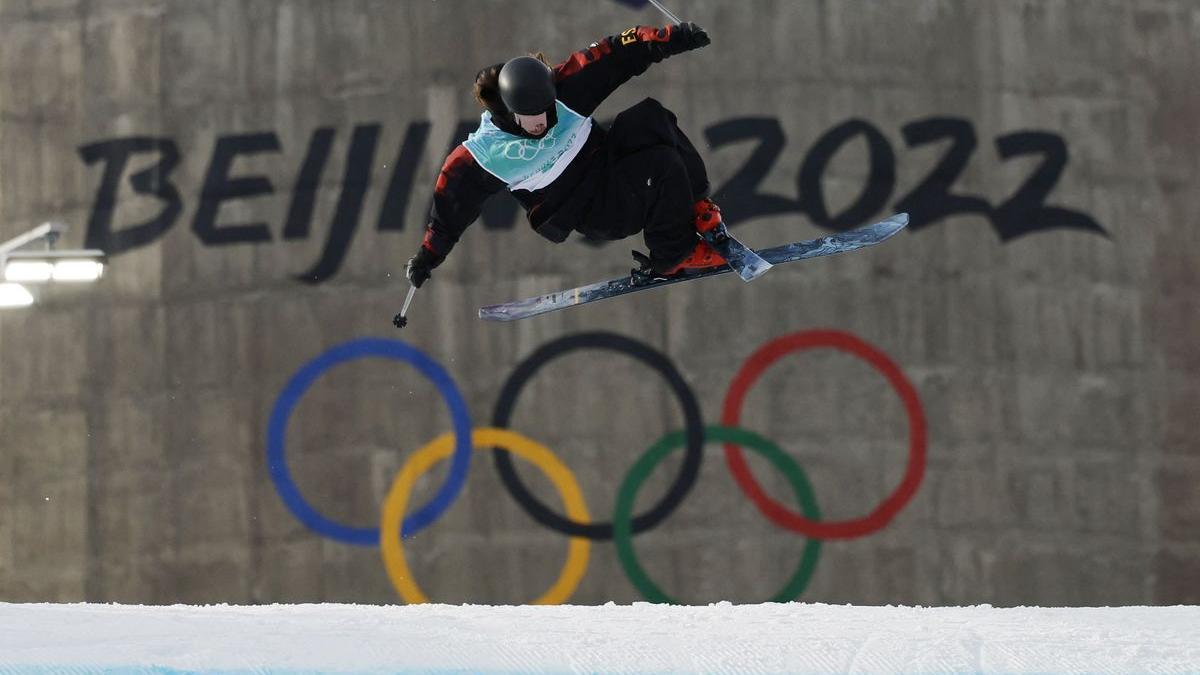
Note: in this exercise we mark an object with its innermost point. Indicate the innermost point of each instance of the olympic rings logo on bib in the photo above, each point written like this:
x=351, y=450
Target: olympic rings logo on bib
x=528, y=148
x=575, y=521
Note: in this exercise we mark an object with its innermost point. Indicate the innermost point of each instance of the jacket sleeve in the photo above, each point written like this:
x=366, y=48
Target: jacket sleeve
x=590, y=75
x=462, y=188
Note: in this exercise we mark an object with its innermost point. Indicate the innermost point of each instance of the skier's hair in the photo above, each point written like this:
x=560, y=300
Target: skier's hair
x=487, y=86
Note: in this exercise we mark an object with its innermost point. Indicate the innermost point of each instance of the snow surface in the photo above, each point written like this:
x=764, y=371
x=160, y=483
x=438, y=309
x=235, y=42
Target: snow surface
x=641, y=638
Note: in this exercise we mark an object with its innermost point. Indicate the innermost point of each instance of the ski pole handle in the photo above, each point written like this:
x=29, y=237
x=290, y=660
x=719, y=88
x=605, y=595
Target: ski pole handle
x=666, y=12
x=400, y=320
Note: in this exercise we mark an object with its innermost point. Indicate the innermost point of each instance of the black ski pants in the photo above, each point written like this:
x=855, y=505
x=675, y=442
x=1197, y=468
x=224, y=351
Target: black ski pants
x=651, y=180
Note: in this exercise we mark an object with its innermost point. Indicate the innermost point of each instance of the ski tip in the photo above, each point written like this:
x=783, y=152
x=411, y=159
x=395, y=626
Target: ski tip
x=891, y=225
x=492, y=313
x=897, y=221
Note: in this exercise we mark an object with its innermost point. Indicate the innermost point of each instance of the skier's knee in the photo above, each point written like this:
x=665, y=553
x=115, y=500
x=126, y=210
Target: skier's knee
x=648, y=103
x=652, y=107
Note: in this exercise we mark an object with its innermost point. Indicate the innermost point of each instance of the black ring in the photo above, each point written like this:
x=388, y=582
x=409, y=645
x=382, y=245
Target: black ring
x=642, y=352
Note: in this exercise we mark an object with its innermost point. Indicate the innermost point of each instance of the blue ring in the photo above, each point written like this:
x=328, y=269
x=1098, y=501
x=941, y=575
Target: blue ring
x=304, y=378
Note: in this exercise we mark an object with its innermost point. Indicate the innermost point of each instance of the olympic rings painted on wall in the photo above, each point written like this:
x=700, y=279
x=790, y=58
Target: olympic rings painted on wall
x=779, y=514
x=576, y=523
x=420, y=462
x=622, y=532
x=308, y=374
x=647, y=355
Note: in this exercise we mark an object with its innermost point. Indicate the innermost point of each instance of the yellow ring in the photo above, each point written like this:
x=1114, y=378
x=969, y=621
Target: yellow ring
x=442, y=447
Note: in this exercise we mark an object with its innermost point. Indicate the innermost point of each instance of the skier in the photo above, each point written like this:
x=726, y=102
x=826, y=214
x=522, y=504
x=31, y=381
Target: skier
x=536, y=138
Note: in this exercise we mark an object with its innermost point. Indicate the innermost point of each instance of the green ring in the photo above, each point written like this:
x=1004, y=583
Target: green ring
x=623, y=536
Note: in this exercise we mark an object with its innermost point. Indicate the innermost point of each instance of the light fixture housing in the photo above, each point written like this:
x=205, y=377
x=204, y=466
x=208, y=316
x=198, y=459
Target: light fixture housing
x=41, y=266
x=19, y=264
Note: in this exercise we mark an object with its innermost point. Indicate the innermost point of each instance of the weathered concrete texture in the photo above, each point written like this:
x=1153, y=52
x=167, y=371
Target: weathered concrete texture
x=1057, y=371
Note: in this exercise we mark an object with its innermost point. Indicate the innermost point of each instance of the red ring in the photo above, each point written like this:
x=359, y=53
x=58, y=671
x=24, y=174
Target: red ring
x=781, y=515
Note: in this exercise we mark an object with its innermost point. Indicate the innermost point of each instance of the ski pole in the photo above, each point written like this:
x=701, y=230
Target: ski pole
x=400, y=319
x=665, y=11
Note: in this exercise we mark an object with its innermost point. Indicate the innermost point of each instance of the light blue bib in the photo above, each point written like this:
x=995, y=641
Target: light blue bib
x=529, y=163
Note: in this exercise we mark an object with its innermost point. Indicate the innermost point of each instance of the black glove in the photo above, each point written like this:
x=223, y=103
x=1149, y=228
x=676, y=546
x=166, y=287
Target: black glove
x=421, y=265
x=688, y=36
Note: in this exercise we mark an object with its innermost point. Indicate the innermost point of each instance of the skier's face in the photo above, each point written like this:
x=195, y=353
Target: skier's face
x=535, y=125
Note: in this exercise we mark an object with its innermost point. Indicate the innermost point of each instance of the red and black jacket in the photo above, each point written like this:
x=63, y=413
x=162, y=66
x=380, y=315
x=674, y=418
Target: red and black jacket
x=582, y=82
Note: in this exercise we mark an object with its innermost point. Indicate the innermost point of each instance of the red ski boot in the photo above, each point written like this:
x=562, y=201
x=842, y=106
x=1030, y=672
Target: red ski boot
x=708, y=218
x=708, y=215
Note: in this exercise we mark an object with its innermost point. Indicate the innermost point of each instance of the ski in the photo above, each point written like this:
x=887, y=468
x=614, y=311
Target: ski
x=639, y=280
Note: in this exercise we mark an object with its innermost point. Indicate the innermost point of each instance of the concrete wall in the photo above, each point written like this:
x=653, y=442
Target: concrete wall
x=1052, y=353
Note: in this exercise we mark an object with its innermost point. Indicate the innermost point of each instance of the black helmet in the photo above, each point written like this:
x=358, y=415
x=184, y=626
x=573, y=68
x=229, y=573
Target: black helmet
x=527, y=86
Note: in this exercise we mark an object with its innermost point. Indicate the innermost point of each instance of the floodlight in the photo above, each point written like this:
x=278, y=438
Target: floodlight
x=78, y=270
x=20, y=264
x=34, y=266
x=28, y=270
x=14, y=295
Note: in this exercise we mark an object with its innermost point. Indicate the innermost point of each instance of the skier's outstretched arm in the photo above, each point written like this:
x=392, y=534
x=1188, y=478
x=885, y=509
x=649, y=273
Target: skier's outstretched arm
x=458, y=197
x=591, y=75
